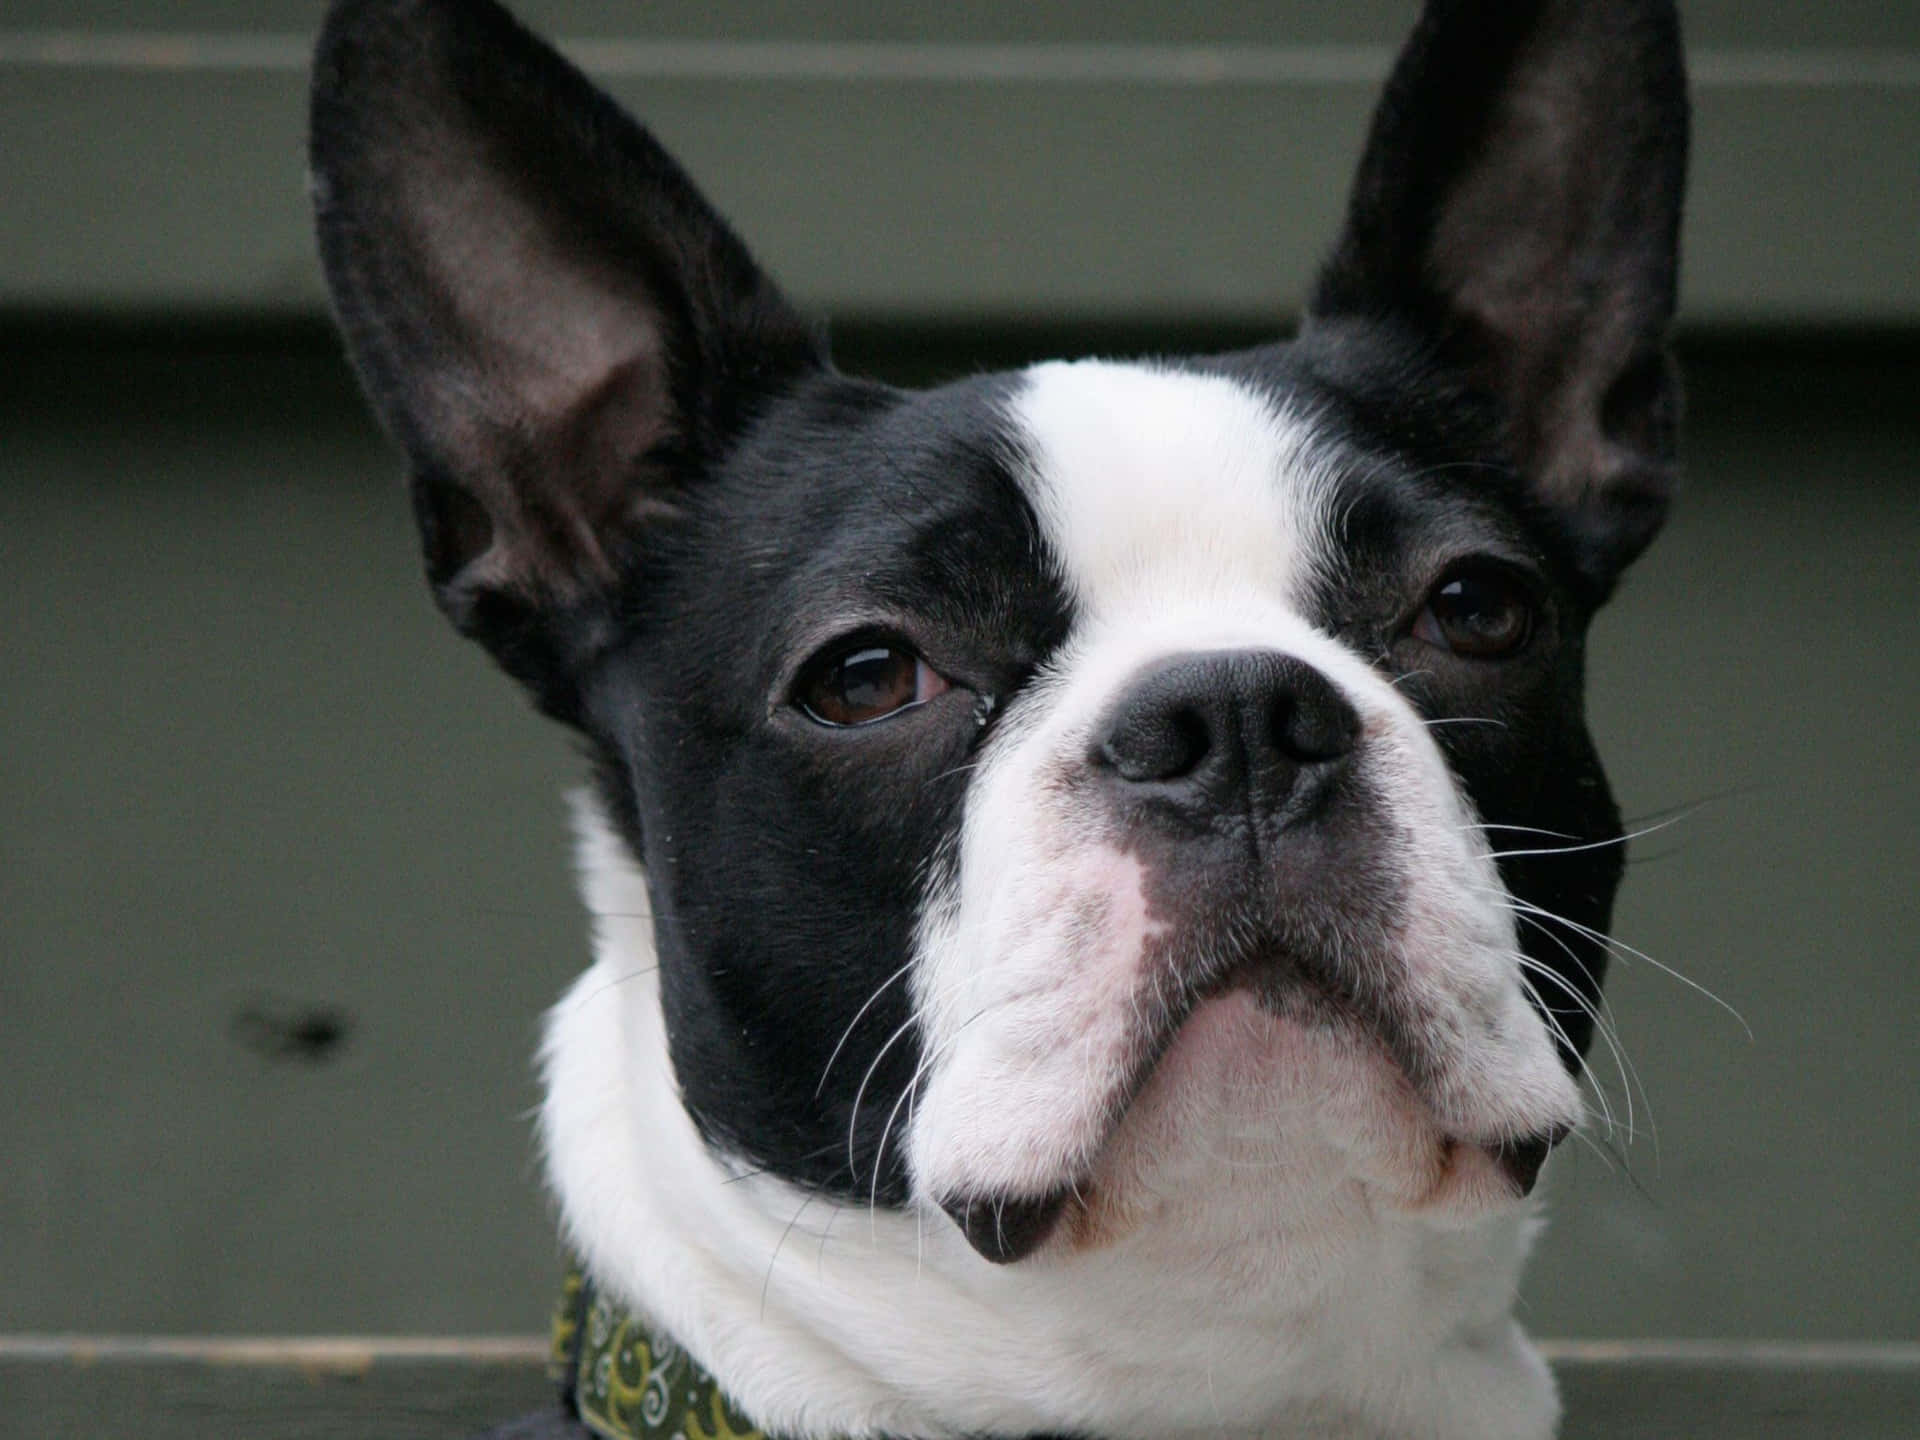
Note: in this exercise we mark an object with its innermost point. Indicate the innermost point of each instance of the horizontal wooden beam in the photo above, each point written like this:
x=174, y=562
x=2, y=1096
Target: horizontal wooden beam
x=159, y=170
x=354, y=1354
x=413, y=1388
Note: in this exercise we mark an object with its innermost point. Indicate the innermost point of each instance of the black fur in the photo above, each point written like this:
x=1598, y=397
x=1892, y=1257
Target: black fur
x=850, y=502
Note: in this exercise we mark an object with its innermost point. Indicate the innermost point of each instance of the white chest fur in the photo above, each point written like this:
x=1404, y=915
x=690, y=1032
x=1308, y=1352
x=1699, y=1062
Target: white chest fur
x=1283, y=1302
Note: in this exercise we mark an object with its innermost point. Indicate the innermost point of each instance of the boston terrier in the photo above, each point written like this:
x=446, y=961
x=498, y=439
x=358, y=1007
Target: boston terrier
x=1099, y=872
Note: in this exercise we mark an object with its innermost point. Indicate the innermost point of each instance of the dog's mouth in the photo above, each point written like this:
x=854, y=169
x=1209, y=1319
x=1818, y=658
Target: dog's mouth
x=1265, y=1011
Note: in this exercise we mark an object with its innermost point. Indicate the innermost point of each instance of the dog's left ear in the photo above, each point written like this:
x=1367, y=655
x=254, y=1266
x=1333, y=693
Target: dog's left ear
x=1518, y=204
x=557, y=327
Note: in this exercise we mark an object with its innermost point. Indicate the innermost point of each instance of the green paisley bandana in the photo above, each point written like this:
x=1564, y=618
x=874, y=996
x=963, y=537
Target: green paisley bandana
x=627, y=1383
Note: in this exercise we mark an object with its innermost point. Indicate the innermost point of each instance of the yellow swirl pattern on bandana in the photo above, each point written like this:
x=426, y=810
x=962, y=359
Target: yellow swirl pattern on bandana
x=627, y=1383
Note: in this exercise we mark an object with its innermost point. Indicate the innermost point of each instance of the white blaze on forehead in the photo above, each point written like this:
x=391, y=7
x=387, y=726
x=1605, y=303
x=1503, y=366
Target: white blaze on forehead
x=1162, y=489
x=1183, y=511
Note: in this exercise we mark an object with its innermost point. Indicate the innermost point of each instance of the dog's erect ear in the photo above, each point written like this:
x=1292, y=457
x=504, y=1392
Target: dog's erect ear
x=547, y=315
x=1519, y=204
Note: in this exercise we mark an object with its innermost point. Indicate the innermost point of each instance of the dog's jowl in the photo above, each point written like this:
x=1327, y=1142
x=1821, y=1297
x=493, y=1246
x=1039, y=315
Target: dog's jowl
x=1096, y=868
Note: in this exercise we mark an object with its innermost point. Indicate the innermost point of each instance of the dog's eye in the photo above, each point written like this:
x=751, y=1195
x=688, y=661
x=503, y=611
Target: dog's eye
x=1484, y=614
x=865, y=683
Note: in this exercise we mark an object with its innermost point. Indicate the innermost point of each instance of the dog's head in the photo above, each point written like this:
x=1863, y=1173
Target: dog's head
x=1036, y=773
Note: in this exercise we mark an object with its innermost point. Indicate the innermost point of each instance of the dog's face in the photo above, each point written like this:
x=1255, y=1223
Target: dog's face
x=1041, y=778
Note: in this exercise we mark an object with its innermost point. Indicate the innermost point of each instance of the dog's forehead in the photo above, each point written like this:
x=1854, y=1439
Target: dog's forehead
x=1161, y=487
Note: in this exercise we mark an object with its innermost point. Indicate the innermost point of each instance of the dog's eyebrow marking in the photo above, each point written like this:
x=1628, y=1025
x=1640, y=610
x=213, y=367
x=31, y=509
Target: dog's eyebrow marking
x=1153, y=484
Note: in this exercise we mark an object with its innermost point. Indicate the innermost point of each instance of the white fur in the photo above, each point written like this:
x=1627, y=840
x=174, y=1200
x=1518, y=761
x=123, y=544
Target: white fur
x=1276, y=1239
x=1328, y=1316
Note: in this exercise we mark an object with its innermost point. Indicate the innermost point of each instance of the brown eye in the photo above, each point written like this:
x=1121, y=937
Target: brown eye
x=867, y=683
x=1481, y=614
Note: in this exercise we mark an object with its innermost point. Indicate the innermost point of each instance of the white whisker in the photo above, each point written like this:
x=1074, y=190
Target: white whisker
x=766, y=1283
x=845, y=1034
x=1592, y=844
x=853, y=1117
x=1622, y=950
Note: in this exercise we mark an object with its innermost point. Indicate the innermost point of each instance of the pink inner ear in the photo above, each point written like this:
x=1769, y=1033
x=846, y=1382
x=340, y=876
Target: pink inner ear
x=547, y=388
x=600, y=450
x=539, y=303
x=1520, y=198
x=1530, y=246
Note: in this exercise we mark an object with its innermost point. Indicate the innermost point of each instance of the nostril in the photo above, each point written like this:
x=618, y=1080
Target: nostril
x=1189, y=738
x=1314, y=724
x=1157, y=744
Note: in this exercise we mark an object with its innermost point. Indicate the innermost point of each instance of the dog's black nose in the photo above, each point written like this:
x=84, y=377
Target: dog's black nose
x=1226, y=732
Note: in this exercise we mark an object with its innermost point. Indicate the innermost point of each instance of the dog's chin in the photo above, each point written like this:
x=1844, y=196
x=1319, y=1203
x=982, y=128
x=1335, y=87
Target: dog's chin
x=1271, y=1103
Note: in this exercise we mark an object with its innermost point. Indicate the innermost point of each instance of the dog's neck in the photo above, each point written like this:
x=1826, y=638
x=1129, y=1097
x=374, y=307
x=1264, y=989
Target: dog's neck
x=1288, y=1302
x=626, y=1381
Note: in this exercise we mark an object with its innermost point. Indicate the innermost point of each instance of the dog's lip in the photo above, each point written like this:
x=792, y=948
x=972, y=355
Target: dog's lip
x=1007, y=1228
x=1520, y=1159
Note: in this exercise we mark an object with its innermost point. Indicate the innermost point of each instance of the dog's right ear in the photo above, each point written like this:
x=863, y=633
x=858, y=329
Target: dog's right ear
x=550, y=319
x=1518, y=210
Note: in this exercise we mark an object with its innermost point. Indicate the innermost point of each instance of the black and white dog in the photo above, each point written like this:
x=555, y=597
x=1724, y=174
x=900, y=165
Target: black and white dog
x=1097, y=869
